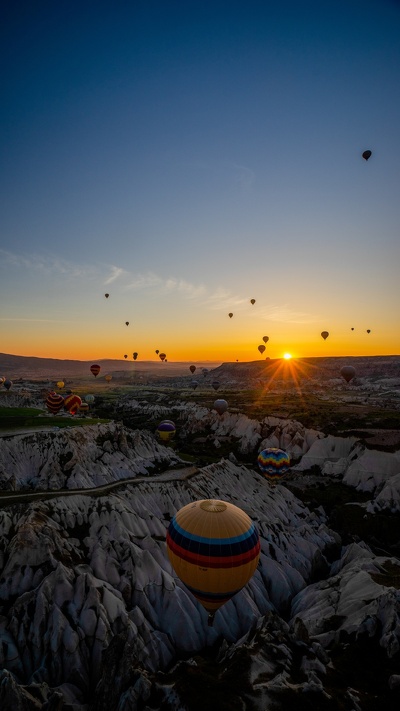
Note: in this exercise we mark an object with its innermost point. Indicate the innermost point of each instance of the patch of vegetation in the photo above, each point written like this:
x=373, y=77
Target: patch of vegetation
x=27, y=417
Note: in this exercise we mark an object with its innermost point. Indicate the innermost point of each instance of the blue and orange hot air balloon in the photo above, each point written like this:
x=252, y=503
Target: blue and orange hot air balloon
x=214, y=548
x=273, y=463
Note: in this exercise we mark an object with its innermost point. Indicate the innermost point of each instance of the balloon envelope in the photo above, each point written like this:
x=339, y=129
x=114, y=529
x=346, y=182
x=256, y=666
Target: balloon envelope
x=54, y=402
x=215, y=384
x=194, y=384
x=220, y=406
x=214, y=548
x=366, y=155
x=60, y=383
x=273, y=463
x=7, y=384
x=252, y=301
x=192, y=368
x=108, y=378
x=324, y=335
x=72, y=403
x=230, y=315
x=347, y=372
x=166, y=430
x=162, y=356
x=89, y=398
x=95, y=369
x=261, y=349
x=265, y=339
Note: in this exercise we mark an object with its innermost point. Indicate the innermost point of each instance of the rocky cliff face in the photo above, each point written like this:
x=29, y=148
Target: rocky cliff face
x=92, y=616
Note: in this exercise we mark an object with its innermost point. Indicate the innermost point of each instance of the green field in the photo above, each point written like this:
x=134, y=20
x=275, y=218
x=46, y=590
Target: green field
x=26, y=417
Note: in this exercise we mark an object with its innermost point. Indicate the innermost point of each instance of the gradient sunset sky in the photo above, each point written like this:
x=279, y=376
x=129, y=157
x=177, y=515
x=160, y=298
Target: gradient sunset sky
x=188, y=156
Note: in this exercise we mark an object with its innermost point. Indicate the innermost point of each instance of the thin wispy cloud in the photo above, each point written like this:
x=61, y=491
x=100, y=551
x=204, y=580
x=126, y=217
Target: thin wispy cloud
x=148, y=280
x=285, y=314
x=47, y=264
x=116, y=273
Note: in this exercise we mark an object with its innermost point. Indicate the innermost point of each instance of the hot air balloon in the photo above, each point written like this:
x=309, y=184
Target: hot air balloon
x=166, y=430
x=204, y=371
x=214, y=548
x=125, y=356
x=265, y=339
x=135, y=355
x=261, y=349
x=348, y=372
x=273, y=463
x=194, y=384
x=89, y=399
x=157, y=352
x=220, y=406
x=215, y=384
x=7, y=384
x=95, y=369
x=72, y=403
x=352, y=328
x=54, y=402
x=192, y=368
x=367, y=155
x=230, y=315
x=106, y=295
x=324, y=335
x=84, y=407
x=126, y=323
x=60, y=384
x=162, y=356
x=368, y=330
x=252, y=301
x=108, y=378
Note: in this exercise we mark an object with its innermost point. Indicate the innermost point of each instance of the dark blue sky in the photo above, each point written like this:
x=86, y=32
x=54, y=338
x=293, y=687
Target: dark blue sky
x=211, y=144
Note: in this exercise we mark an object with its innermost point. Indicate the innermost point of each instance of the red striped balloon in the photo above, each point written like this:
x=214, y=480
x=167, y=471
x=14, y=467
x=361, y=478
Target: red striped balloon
x=54, y=402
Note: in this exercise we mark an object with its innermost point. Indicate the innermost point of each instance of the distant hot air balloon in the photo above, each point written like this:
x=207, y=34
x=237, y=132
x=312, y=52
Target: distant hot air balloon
x=106, y=295
x=95, y=369
x=125, y=356
x=352, y=328
x=214, y=548
x=135, y=355
x=162, y=356
x=157, y=352
x=261, y=348
x=54, y=402
x=192, y=368
x=348, y=372
x=220, y=406
x=230, y=315
x=215, y=384
x=60, y=384
x=194, y=384
x=324, y=335
x=265, y=339
x=7, y=384
x=166, y=430
x=2, y=380
x=252, y=301
x=368, y=330
x=204, y=371
x=273, y=463
x=367, y=155
x=126, y=323
x=108, y=378
x=72, y=403
x=89, y=399
x=84, y=407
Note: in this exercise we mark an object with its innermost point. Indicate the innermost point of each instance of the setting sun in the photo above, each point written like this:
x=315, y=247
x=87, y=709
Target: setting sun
x=287, y=356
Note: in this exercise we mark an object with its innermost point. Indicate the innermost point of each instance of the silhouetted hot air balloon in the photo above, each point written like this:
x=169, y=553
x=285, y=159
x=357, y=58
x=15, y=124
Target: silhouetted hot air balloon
x=95, y=369
x=192, y=368
x=126, y=323
x=215, y=384
x=125, y=356
x=352, y=328
x=230, y=315
x=348, y=372
x=54, y=402
x=166, y=430
x=162, y=356
x=72, y=403
x=214, y=548
x=324, y=335
x=108, y=378
x=368, y=330
x=261, y=349
x=252, y=301
x=194, y=384
x=367, y=155
x=135, y=355
x=265, y=339
x=204, y=371
x=220, y=406
x=157, y=352
x=7, y=384
x=106, y=295
x=273, y=463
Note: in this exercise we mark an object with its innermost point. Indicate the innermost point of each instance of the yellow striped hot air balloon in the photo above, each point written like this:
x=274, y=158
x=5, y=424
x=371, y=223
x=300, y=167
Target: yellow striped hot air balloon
x=214, y=549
